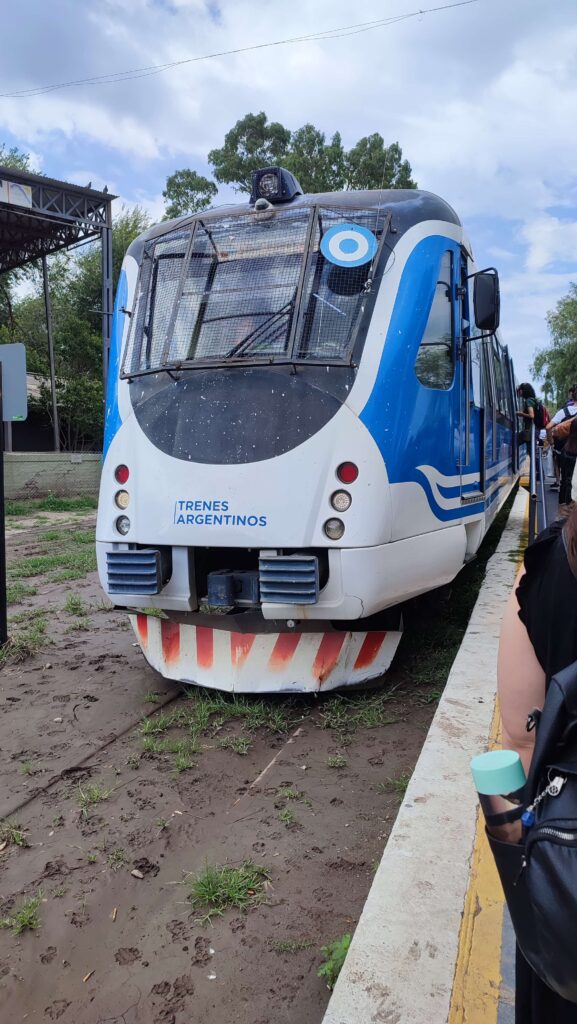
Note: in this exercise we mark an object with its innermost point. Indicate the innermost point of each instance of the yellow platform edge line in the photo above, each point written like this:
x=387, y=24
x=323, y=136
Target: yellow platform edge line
x=477, y=981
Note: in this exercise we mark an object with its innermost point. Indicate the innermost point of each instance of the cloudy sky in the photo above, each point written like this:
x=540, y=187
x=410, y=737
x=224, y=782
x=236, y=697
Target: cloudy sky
x=482, y=99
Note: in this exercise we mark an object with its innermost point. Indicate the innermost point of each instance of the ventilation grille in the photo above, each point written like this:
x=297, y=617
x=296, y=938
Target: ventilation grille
x=289, y=579
x=134, y=572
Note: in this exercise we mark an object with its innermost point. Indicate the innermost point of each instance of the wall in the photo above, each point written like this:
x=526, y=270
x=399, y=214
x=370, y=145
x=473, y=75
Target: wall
x=35, y=474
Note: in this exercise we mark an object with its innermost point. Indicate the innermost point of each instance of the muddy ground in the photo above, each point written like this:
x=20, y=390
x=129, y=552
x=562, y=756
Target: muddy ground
x=312, y=801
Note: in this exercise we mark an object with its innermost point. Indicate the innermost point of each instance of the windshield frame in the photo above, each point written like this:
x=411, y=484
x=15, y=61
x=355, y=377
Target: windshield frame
x=290, y=357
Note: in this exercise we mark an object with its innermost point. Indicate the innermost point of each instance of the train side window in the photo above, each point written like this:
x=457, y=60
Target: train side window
x=434, y=365
x=476, y=372
x=500, y=381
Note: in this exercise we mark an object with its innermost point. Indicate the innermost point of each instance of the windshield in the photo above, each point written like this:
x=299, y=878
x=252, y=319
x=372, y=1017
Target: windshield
x=249, y=288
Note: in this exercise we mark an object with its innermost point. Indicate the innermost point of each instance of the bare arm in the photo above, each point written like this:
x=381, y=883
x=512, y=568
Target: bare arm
x=520, y=681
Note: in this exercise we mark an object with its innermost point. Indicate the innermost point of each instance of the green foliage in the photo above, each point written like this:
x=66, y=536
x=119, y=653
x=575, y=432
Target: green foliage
x=220, y=887
x=26, y=917
x=337, y=761
x=90, y=795
x=290, y=945
x=75, y=292
x=396, y=785
x=371, y=164
x=51, y=503
x=320, y=166
x=334, y=958
x=555, y=364
x=253, y=142
x=240, y=744
x=14, y=158
x=16, y=592
x=187, y=192
x=12, y=833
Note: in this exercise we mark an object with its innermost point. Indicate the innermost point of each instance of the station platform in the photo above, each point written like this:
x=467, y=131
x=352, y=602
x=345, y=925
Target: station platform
x=434, y=944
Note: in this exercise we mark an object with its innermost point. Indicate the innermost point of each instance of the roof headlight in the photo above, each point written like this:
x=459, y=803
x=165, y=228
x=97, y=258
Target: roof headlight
x=269, y=185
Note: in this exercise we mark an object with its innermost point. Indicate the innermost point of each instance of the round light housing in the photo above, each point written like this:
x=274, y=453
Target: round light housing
x=347, y=472
x=268, y=185
x=123, y=525
x=121, y=474
x=334, y=528
x=122, y=499
x=340, y=500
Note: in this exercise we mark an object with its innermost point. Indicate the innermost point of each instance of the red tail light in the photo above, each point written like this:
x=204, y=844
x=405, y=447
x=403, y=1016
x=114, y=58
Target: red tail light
x=347, y=472
x=121, y=474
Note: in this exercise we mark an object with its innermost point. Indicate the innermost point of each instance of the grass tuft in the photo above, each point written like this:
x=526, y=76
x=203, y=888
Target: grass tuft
x=240, y=744
x=290, y=945
x=221, y=887
x=26, y=917
x=90, y=795
x=395, y=785
x=12, y=833
x=337, y=761
x=17, y=591
x=74, y=605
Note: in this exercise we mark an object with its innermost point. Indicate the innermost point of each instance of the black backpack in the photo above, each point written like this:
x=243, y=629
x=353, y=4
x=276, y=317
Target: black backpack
x=539, y=875
x=559, y=443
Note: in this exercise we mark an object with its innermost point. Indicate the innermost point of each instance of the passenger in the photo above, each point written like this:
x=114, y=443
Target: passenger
x=538, y=639
x=567, y=459
x=565, y=413
x=527, y=393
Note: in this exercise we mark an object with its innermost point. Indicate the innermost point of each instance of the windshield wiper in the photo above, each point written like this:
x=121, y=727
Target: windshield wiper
x=254, y=336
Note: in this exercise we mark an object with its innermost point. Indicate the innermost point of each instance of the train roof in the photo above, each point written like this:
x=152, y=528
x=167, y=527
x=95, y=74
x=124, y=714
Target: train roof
x=408, y=207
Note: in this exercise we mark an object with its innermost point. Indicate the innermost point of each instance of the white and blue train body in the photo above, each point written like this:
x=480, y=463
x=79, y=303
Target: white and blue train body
x=310, y=420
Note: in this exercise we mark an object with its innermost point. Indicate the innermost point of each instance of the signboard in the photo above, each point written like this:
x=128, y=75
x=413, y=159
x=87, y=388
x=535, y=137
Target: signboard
x=16, y=194
x=14, y=397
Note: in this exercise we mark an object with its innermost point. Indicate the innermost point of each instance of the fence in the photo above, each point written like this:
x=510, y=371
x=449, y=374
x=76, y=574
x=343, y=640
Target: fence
x=35, y=474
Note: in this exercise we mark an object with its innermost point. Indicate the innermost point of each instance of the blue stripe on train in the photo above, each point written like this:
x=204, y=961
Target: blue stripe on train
x=113, y=422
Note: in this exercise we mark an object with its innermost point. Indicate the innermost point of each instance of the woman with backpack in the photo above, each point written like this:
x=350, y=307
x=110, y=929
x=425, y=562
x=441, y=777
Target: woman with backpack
x=538, y=640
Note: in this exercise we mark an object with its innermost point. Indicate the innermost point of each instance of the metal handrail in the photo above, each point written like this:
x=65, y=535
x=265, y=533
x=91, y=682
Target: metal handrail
x=543, y=523
x=532, y=485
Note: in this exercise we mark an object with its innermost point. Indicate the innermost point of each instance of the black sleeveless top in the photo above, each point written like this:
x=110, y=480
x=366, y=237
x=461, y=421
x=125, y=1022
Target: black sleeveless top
x=547, y=596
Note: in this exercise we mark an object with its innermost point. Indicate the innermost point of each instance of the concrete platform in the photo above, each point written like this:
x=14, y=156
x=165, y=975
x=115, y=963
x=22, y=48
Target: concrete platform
x=431, y=946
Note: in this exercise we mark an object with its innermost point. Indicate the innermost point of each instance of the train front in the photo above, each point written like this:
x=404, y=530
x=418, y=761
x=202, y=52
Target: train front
x=244, y=515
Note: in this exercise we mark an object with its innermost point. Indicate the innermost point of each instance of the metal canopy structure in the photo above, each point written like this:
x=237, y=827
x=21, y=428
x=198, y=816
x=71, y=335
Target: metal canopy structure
x=40, y=216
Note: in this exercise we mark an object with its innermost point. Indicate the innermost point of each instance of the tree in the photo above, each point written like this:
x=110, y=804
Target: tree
x=187, y=192
x=319, y=166
x=16, y=160
x=556, y=364
x=250, y=144
x=75, y=291
x=371, y=164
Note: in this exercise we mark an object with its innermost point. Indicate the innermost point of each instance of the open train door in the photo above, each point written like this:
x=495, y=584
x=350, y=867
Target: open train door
x=472, y=432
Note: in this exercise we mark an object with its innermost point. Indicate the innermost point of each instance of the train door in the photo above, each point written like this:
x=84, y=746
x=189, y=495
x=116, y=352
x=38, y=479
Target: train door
x=472, y=413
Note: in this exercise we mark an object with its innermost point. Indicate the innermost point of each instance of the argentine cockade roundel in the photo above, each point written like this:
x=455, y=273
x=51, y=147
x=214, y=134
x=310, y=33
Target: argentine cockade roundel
x=348, y=245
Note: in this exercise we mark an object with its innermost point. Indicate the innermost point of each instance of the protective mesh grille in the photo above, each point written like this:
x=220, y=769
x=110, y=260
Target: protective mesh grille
x=333, y=296
x=249, y=289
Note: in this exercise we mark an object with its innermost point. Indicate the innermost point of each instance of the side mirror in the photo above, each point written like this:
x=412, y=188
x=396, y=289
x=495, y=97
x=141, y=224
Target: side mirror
x=487, y=300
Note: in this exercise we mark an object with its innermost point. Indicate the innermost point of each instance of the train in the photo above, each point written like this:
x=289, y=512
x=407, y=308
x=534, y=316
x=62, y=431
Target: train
x=310, y=420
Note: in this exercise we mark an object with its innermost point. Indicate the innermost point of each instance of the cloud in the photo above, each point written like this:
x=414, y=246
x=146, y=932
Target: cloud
x=482, y=100
x=550, y=240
